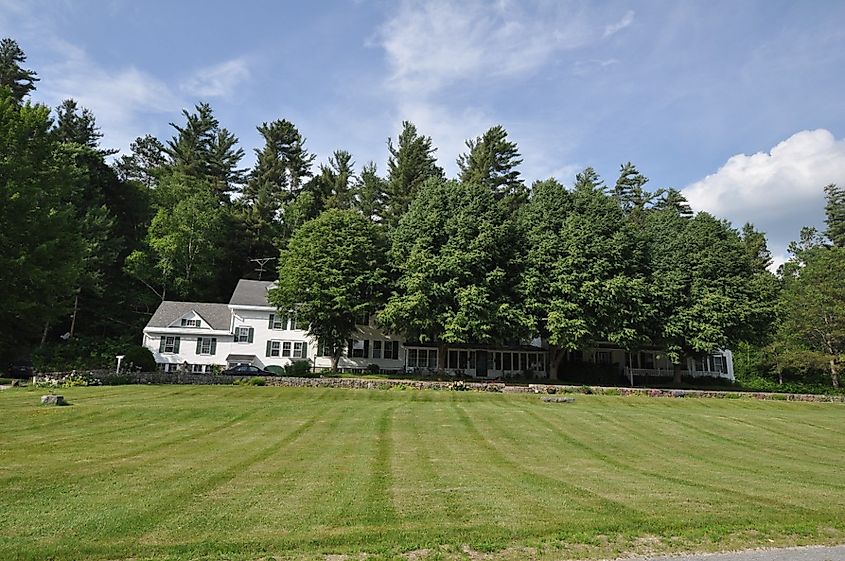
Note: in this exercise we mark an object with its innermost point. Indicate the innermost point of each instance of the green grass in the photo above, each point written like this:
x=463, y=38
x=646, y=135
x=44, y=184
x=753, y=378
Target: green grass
x=242, y=473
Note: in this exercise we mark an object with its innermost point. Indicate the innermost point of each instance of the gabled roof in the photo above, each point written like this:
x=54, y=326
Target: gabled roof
x=218, y=316
x=251, y=293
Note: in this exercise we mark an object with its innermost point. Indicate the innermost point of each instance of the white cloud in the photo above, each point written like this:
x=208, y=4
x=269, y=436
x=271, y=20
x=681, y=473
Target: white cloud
x=118, y=98
x=626, y=20
x=436, y=44
x=779, y=191
x=219, y=80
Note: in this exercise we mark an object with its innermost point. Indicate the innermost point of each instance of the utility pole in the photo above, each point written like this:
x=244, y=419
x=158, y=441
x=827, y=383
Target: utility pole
x=261, y=262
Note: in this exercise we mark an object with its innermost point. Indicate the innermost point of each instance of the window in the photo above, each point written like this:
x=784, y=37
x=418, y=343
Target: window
x=507, y=362
x=197, y=368
x=362, y=319
x=602, y=357
x=422, y=358
x=274, y=348
x=324, y=349
x=391, y=350
x=432, y=358
x=169, y=345
x=190, y=322
x=719, y=364
x=453, y=359
x=376, y=349
x=296, y=324
x=278, y=321
x=647, y=360
x=286, y=348
x=206, y=345
x=243, y=334
x=358, y=349
x=300, y=349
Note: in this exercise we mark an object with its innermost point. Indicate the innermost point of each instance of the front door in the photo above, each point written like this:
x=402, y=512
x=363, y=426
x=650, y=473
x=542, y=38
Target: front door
x=481, y=364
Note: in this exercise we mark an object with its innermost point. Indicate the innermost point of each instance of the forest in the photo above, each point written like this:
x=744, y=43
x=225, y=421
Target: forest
x=92, y=240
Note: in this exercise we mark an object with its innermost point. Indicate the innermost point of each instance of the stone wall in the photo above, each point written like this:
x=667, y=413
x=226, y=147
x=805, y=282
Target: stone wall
x=107, y=377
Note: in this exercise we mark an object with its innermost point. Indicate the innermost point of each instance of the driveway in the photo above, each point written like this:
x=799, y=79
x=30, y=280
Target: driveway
x=835, y=553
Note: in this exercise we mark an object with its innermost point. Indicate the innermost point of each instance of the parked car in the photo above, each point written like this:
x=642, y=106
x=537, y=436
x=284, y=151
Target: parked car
x=246, y=370
x=21, y=369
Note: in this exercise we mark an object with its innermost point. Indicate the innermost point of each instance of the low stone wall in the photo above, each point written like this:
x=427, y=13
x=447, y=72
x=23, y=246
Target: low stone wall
x=107, y=377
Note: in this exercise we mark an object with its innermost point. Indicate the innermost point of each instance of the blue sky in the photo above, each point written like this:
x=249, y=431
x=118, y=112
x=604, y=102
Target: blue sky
x=737, y=103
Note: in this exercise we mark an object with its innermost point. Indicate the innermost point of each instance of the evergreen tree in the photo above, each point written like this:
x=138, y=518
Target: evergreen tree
x=203, y=150
x=410, y=164
x=492, y=161
x=835, y=214
x=369, y=194
x=756, y=247
x=147, y=156
x=13, y=76
x=77, y=125
x=672, y=199
x=336, y=180
x=630, y=189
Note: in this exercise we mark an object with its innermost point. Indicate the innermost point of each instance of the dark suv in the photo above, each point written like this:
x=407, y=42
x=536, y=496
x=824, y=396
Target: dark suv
x=246, y=370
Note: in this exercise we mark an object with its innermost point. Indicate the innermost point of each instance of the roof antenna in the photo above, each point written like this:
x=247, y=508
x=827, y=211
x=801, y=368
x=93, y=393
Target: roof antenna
x=261, y=261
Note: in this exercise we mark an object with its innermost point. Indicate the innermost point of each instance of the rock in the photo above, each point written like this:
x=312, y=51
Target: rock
x=559, y=399
x=53, y=400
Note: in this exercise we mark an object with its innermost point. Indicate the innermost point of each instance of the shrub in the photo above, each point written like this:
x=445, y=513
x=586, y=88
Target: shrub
x=275, y=370
x=257, y=381
x=298, y=368
x=373, y=368
x=140, y=358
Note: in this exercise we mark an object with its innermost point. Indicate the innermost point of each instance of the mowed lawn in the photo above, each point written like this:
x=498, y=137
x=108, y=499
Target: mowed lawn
x=192, y=472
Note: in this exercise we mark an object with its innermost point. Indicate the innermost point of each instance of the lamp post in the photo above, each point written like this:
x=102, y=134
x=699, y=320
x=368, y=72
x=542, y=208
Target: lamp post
x=119, y=359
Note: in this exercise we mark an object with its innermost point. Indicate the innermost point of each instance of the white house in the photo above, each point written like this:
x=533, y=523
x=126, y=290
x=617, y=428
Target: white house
x=248, y=330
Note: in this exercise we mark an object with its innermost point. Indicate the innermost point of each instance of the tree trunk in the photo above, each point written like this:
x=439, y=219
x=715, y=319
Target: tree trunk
x=335, y=359
x=44, y=333
x=834, y=373
x=73, y=317
x=557, y=357
x=677, y=379
x=441, y=356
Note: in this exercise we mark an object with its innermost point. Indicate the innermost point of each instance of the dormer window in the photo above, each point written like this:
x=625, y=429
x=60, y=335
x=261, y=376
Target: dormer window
x=190, y=322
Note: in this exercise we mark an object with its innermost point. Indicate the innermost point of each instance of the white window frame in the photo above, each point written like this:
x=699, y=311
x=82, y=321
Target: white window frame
x=287, y=347
x=205, y=342
x=170, y=342
x=298, y=349
x=275, y=348
x=242, y=334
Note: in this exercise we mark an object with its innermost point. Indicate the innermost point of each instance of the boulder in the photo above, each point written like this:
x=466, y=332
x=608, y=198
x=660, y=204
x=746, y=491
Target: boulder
x=53, y=400
x=559, y=399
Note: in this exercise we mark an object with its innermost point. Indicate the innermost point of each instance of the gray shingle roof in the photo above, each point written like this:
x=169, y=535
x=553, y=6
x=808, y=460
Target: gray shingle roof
x=251, y=293
x=218, y=316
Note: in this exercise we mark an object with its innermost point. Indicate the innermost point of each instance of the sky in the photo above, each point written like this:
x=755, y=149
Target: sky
x=739, y=104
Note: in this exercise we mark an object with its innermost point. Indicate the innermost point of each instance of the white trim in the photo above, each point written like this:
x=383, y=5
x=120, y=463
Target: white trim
x=184, y=331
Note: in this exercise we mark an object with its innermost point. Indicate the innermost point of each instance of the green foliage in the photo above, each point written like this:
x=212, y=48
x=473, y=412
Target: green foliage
x=332, y=271
x=41, y=246
x=139, y=358
x=455, y=252
x=13, y=77
x=492, y=161
x=410, y=165
x=835, y=214
x=298, y=368
x=81, y=353
x=370, y=193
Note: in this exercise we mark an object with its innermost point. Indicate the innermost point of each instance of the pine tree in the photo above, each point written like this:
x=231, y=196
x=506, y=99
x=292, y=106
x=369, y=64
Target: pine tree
x=336, y=179
x=12, y=75
x=835, y=214
x=411, y=163
x=629, y=189
x=756, y=247
x=491, y=162
x=673, y=199
x=147, y=156
x=369, y=193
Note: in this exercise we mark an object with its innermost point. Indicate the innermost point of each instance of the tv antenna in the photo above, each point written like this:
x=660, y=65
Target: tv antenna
x=261, y=262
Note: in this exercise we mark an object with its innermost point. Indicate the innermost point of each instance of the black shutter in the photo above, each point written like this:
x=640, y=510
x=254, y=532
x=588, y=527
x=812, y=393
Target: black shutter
x=161, y=344
x=366, y=348
x=268, y=349
x=349, y=350
x=304, y=350
x=395, y=349
x=176, y=344
x=213, y=345
x=270, y=323
x=199, y=344
x=249, y=335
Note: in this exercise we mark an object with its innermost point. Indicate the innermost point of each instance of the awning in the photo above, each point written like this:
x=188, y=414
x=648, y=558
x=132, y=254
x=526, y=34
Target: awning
x=240, y=358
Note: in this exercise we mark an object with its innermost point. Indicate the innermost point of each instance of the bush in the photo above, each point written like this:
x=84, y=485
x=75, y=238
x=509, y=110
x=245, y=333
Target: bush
x=254, y=381
x=81, y=353
x=298, y=368
x=140, y=358
x=275, y=370
x=373, y=368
